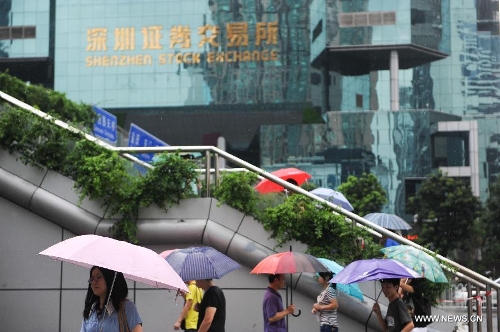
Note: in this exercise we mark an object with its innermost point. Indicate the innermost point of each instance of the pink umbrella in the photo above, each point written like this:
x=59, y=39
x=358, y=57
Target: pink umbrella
x=165, y=253
x=136, y=263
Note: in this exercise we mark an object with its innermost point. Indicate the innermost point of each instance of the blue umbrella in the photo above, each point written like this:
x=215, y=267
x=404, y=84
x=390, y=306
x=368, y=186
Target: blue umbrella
x=198, y=263
x=333, y=196
x=350, y=289
x=388, y=220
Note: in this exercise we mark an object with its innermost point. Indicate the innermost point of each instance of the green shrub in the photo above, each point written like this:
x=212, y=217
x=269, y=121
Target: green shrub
x=236, y=190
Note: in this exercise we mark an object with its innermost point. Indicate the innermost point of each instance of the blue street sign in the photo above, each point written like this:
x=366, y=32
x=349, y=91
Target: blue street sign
x=105, y=125
x=138, y=137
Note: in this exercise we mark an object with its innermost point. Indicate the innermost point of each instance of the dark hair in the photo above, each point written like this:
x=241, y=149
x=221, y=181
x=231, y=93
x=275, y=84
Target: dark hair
x=118, y=293
x=394, y=281
x=273, y=277
x=328, y=276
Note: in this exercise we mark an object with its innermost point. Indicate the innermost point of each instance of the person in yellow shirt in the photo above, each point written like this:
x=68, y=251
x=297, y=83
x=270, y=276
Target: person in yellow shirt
x=189, y=313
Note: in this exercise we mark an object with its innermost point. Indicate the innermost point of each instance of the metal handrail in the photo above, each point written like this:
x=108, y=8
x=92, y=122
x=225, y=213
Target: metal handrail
x=467, y=272
x=461, y=271
x=126, y=152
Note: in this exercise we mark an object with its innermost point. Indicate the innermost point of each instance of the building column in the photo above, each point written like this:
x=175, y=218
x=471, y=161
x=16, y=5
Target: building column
x=394, y=72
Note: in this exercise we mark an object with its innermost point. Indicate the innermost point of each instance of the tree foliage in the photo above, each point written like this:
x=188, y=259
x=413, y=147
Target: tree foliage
x=236, y=190
x=327, y=234
x=365, y=193
x=447, y=212
x=491, y=247
x=99, y=174
x=49, y=101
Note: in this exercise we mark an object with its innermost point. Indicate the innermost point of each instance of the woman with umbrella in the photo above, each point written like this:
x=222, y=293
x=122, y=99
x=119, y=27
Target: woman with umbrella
x=106, y=306
x=326, y=307
x=417, y=304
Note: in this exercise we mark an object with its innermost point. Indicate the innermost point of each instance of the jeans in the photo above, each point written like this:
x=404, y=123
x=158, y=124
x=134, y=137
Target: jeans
x=328, y=328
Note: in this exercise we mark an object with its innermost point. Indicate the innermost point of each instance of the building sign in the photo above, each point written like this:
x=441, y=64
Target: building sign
x=152, y=41
x=105, y=125
x=138, y=137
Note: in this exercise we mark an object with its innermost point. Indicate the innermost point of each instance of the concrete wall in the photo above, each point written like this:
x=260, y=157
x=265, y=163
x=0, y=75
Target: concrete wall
x=40, y=208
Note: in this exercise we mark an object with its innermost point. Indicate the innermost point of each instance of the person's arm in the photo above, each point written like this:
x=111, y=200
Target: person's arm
x=137, y=328
x=133, y=320
x=330, y=298
x=406, y=287
x=330, y=306
x=381, y=321
x=408, y=327
x=184, y=312
x=281, y=314
x=208, y=319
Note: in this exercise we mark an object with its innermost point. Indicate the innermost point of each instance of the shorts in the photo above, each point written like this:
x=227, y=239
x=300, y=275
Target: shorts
x=328, y=328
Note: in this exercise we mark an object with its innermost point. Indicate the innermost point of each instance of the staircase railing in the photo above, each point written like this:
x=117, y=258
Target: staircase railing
x=460, y=271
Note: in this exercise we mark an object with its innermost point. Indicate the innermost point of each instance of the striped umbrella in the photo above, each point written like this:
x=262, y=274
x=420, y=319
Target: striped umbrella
x=387, y=220
x=198, y=263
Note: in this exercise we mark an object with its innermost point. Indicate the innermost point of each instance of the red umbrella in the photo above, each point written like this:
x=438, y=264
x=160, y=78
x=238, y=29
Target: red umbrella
x=292, y=175
x=289, y=262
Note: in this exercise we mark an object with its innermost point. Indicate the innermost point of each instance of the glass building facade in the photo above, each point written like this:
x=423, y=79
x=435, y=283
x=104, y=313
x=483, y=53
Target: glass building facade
x=126, y=54
x=190, y=71
x=395, y=146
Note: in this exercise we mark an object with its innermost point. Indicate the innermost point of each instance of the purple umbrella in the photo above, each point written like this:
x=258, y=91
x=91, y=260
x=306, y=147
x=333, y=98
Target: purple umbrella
x=373, y=269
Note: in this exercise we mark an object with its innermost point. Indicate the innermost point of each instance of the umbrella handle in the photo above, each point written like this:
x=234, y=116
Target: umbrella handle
x=298, y=314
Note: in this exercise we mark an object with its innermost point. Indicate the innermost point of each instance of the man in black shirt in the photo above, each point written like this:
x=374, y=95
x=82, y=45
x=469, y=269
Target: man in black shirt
x=212, y=309
x=398, y=318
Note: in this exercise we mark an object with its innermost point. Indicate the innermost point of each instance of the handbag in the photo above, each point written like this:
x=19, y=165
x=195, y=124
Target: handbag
x=122, y=318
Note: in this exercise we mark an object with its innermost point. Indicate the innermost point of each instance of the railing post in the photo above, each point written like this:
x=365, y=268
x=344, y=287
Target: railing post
x=207, y=172
x=479, y=309
x=216, y=166
x=498, y=307
x=489, y=311
x=469, y=306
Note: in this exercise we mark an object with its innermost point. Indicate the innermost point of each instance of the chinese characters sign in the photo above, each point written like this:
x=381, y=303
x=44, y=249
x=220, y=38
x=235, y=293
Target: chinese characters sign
x=105, y=125
x=242, y=43
x=138, y=137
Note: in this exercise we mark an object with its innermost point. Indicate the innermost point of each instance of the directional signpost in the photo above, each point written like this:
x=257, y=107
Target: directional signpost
x=105, y=125
x=138, y=137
